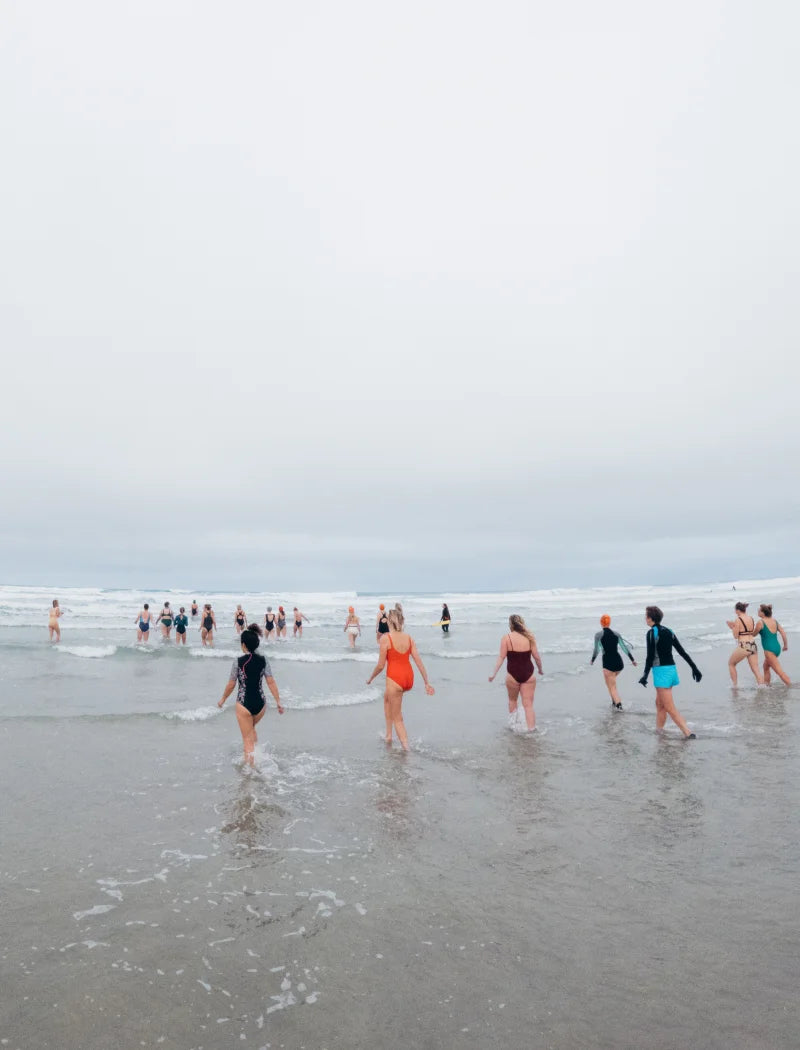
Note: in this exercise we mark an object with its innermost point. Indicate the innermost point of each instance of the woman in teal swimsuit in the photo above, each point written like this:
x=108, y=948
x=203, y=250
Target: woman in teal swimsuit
x=769, y=629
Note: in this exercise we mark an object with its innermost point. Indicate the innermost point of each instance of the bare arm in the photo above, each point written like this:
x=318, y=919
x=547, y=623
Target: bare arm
x=500, y=658
x=782, y=633
x=229, y=687
x=272, y=685
x=418, y=661
x=379, y=666
x=535, y=655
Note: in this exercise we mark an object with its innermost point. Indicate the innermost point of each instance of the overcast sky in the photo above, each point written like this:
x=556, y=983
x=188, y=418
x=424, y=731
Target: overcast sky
x=405, y=296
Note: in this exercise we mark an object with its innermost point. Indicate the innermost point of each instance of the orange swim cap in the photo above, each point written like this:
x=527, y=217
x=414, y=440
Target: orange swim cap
x=605, y=621
x=381, y=607
x=351, y=609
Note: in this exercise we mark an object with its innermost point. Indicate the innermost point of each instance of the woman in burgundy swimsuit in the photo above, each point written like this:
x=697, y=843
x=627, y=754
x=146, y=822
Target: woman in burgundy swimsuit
x=518, y=649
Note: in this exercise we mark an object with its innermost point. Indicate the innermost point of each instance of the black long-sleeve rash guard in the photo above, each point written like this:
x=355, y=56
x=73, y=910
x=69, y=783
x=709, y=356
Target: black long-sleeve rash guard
x=660, y=642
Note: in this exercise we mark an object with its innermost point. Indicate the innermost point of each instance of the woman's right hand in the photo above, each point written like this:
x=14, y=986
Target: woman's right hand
x=429, y=689
x=491, y=677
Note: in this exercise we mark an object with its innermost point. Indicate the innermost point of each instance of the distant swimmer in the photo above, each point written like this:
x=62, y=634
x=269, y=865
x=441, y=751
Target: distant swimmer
x=208, y=625
x=281, y=622
x=249, y=672
x=270, y=625
x=381, y=624
x=194, y=608
x=181, y=621
x=298, y=622
x=519, y=650
x=445, y=618
x=397, y=651
x=660, y=643
x=53, y=625
x=239, y=619
x=611, y=643
x=165, y=619
x=744, y=632
x=143, y=624
x=769, y=629
x=352, y=627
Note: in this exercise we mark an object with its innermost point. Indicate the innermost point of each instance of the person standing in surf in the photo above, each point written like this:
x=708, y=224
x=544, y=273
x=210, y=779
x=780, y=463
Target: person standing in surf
x=181, y=620
x=298, y=623
x=352, y=627
x=53, y=625
x=518, y=648
x=381, y=624
x=744, y=632
x=445, y=618
x=769, y=629
x=195, y=610
x=281, y=622
x=208, y=625
x=249, y=672
x=397, y=650
x=239, y=619
x=611, y=643
x=660, y=643
x=165, y=619
x=143, y=624
x=269, y=623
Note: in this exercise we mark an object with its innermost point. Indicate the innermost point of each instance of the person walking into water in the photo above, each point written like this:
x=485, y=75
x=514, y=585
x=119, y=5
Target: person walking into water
x=381, y=624
x=165, y=619
x=181, y=620
x=769, y=629
x=352, y=627
x=239, y=619
x=53, y=625
x=281, y=622
x=195, y=610
x=610, y=642
x=518, y=648
x=269, y=623
x=445, y=619
x=143, y=624
x=208, y=625
x=248, y=674
x=298, y=623
x=660, y=643
x=396, y=653
x=744, y=632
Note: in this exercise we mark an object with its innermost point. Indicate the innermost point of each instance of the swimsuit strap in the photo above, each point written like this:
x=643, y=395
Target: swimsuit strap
x=389, y=636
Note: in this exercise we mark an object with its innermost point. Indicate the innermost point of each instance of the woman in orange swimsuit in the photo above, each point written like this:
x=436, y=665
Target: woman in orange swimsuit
x=397, y=650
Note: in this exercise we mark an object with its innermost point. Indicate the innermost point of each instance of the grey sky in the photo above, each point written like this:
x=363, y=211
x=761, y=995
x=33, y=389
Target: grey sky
x=441, y=295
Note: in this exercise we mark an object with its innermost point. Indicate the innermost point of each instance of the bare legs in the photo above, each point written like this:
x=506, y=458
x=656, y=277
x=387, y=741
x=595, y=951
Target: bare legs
x=526, y=691
x=665, y=705
x=772, y=663
x=352, y=637
x=207, y=637
x=736, y=657
x=55, y=630
x=247, y=725
x=180, y=639
x=611, y=686
x=393, y=709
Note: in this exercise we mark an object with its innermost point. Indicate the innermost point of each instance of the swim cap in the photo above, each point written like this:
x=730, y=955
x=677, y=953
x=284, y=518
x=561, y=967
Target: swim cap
x=351, y=609
x=381, y=607
x=605, y=621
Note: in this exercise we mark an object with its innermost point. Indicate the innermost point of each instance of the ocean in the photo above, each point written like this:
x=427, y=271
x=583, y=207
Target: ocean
x=595, y=884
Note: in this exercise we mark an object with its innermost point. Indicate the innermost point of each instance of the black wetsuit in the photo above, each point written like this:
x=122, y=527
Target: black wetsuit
x=660, y=643
x=249, y=671
x=609, y=641
x=445, y=620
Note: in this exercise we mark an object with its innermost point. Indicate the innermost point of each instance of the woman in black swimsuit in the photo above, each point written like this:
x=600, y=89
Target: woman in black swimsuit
x=611, y=643
x=239, y=619
x=194, y=608
x=381, y=624
x=208, y=625
x=519, y=649
x=269, y=622
x=165, y=619
x=249, y=672
x=298, y=622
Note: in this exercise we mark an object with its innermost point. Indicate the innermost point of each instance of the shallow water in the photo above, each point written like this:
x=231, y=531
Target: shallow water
x=592, y=884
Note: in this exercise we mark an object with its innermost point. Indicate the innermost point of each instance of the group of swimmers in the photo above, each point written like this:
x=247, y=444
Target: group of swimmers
x=274, y=624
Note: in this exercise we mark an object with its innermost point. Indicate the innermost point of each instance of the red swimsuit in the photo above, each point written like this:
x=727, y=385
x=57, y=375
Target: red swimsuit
x=399, y=667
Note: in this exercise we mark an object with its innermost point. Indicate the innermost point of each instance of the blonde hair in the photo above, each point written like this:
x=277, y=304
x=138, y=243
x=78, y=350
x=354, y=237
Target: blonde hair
x=396, y=618
x=516, y=623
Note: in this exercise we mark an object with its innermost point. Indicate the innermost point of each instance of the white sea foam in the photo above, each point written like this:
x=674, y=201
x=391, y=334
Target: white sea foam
x=195, y=714
x=88, y=652
x=365, y=696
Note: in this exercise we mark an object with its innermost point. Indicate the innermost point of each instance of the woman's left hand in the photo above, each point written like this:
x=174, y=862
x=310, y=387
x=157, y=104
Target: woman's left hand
x=221, y=702
x=429, y=689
